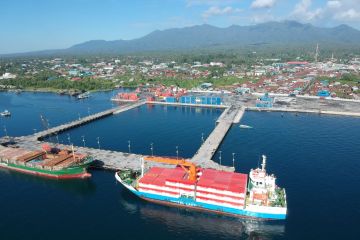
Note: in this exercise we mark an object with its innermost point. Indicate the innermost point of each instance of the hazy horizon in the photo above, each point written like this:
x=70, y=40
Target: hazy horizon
x=41, y=25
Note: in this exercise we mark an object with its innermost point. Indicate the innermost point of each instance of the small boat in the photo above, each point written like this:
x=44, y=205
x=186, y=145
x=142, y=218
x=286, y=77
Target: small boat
x=245, y=126
x=5, y=113
x=83, y=95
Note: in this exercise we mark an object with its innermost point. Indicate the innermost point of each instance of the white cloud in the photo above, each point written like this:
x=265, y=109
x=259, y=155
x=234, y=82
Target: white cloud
x=263, y=3
x=321, y=13
x=333, y=4
x=302, y=11
x=261, y=18
x=217, y=11
x=348, y=15
x=344, y=11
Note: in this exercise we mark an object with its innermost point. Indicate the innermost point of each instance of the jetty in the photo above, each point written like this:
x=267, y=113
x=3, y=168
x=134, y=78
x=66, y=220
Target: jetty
x=81, y=121
x=302, y=110
x=231, y=115
x=105, y=159
x=115, y=160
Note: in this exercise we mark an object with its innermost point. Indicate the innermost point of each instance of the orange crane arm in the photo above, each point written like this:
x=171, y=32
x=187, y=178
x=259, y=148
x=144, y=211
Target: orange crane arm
x=189, y=167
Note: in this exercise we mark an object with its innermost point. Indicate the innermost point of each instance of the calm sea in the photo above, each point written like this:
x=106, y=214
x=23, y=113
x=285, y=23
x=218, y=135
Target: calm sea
x=315, y=157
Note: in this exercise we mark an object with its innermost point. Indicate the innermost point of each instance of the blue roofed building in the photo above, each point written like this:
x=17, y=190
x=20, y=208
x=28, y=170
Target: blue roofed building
x=323, y=93
x=265, y=101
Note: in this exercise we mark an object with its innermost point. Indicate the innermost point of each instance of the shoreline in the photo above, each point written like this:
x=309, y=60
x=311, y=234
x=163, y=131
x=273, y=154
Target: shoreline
x=247, y=108
x=56, y=91
x=294, y=110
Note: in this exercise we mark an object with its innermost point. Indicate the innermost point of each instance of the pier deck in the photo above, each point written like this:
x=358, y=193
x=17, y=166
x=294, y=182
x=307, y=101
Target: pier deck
x=208, y=148
x=115, y=160
x=85, y=120
x=106, y=159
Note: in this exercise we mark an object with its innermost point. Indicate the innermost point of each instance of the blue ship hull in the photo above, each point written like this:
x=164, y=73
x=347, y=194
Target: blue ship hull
x=190, y=203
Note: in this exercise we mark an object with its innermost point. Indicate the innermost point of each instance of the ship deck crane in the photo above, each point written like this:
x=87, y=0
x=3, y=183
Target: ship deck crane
x=189, y=167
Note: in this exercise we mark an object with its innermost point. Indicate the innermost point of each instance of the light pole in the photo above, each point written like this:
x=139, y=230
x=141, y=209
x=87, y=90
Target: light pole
x=5, y=130
x=152, y=149
x=98, y=142
x=129, y=146
x=220, y=157
x=83, y=139
x=233, y=154
x=177, y=152
x=68, y=137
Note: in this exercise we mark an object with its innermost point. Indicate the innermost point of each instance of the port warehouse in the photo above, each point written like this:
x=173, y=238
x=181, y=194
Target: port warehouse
x=186, y=99
x=205, y=100
x=265, y=101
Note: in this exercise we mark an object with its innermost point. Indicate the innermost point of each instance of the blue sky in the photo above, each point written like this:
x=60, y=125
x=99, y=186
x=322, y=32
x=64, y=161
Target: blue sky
x=28, y=25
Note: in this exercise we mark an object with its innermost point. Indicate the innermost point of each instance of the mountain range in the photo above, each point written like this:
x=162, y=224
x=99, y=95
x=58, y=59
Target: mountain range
x=206, y=37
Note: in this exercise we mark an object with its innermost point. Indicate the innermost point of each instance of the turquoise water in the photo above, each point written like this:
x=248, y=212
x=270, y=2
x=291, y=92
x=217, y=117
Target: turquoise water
x=316, y=158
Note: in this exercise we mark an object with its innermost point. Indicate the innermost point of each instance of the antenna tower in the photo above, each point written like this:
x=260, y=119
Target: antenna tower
x=317, y=53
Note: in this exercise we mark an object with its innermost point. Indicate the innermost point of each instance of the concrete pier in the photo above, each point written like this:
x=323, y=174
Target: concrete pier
x=115, y=160
x=299, y=110
x=208, y=148
x=106, y=159
x=85, y=120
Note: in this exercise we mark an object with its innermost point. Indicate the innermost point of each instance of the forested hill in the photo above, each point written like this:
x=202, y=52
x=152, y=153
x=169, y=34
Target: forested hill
x=207, y=37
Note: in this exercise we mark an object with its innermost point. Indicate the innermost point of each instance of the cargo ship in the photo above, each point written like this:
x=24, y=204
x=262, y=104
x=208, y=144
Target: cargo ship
x=48, y=162
x=254, y=196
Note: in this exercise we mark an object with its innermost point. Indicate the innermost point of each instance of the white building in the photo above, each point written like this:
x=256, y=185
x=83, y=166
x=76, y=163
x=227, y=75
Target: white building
x=8, y=76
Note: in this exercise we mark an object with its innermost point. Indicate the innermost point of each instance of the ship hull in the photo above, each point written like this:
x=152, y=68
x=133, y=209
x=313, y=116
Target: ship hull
x=200, y=206
x=70, y=173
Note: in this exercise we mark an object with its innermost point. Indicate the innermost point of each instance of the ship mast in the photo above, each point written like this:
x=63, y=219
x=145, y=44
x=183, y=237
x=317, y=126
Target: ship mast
x=263, y=165
x=142, y=166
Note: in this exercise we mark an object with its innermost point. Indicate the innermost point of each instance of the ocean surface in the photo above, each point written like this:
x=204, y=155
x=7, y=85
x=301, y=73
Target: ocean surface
x=315, y=157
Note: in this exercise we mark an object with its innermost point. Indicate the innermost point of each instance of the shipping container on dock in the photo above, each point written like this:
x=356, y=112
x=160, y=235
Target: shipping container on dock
x=170, y=99
x=200, y=100
x=188, y=99
x=203, y=100
x=132, y=96
x=150, y=99
x=182, y=99
x=211, y=100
